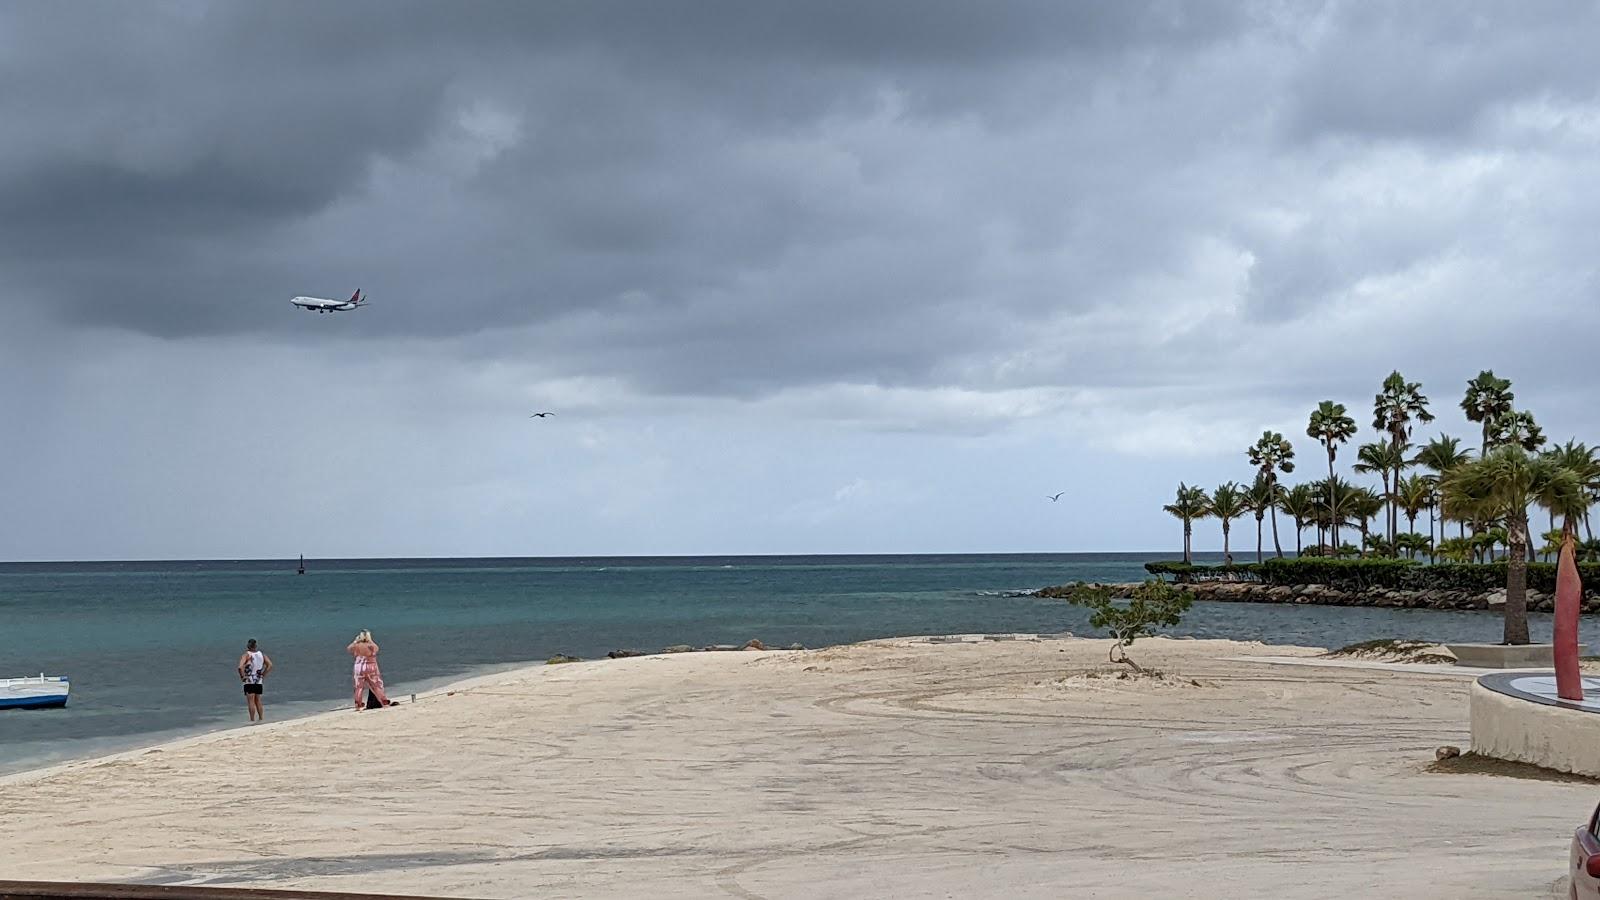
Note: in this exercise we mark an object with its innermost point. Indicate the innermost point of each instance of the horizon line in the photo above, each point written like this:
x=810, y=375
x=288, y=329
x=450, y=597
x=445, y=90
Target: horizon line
x=296, y=557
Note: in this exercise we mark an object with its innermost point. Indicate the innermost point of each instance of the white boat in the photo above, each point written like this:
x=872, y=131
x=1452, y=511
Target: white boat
x=34, y=692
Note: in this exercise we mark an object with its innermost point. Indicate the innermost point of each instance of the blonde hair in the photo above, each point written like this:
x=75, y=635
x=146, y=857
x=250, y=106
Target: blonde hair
x=364, y=637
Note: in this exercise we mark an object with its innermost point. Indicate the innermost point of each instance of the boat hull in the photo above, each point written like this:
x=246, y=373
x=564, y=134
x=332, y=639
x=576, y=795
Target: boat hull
x=55, y=702
x=34, y=693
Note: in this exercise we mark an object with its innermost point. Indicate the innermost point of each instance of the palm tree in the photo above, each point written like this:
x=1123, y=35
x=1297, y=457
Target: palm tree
x=1301, y=505
x=1502, y=485
x=1364, y=505
x=1383, y=458
x=1441, y=454
x=1397, y=404
x=1488, y=398
x=1336, y=502
x=1456, y=550
x=1332, y=427
x=1413, y=543
x=1584, y=462
x=1484, y=542
x=1263, y=497
x=1227, y=504
x=1517, y=427
x=1414, y=494
x=1192, y=503
x=1271, y=455
x=1552, y=543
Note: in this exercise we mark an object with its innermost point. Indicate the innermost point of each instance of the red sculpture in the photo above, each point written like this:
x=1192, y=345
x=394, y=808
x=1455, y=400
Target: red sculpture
x=1569, y=601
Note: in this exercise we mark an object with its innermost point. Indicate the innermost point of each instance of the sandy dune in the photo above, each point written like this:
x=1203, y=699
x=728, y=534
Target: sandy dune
x=891, y=769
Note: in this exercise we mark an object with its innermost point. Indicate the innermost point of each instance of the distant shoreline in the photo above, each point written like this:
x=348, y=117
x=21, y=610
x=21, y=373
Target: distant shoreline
x=289, y=561
x=225, y=732
x=425, y=687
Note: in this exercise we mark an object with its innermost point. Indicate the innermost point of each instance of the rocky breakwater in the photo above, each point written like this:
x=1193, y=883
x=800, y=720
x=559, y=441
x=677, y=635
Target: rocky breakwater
x=1324, y=595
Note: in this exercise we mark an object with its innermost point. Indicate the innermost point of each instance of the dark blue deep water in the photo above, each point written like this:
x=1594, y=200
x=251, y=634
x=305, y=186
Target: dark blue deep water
x=151, y=647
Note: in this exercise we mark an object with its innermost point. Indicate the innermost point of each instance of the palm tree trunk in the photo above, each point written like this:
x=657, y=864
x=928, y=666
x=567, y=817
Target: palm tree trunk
x=1227, y=554
x=1389, y=521
x=1276, y=547
x=1333, y=524
x=1516, y=631
x=1298, y=528
x=1258, y=537
x=1188, y=557
x=1388, y=509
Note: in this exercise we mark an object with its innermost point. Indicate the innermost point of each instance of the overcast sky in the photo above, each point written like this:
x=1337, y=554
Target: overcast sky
x=794, y=277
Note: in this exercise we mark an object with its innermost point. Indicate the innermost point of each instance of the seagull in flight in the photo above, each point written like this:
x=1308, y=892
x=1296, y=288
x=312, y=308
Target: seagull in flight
x=541, y=415
x=1056, y=497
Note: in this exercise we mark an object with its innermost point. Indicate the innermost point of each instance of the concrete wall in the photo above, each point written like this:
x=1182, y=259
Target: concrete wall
x=1508, y=727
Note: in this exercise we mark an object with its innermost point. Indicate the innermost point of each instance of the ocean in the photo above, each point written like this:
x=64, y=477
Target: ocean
x=151, y=646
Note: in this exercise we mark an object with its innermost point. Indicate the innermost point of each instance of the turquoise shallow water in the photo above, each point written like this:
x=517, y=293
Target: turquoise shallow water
x=151, y=647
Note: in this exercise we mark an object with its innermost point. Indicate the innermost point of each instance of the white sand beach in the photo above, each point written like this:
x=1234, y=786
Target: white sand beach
x=887, y=769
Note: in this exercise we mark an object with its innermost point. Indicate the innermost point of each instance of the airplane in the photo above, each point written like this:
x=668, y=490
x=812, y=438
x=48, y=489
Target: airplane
x=320, y=305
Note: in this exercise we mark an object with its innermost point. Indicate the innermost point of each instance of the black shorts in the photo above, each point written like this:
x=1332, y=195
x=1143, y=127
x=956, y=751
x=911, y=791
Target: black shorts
x=252, y=689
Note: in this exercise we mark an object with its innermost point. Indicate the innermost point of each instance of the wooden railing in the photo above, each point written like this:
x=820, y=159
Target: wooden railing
x=56, y=890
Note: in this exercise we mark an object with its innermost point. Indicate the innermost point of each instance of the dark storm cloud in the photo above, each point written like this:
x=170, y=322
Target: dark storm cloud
x=732, y=197
x=182, y=153
x=914, y=256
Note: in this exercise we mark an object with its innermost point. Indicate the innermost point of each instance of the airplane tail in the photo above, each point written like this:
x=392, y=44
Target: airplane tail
x=356, y=297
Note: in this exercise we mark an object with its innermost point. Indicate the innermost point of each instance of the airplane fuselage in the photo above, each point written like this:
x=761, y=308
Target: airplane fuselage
x=322, y=305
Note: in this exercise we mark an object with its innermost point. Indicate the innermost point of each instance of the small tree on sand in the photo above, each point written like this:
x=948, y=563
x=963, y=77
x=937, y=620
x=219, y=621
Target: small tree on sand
x=1154, y=604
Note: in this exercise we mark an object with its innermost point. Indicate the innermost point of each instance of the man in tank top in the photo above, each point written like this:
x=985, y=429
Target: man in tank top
x=253, y=667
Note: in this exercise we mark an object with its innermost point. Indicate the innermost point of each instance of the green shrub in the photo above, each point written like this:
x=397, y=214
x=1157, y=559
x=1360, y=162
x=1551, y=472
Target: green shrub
x=1492, y=576
x=1151, y=605
x=1342, y=574
x=1187, y=573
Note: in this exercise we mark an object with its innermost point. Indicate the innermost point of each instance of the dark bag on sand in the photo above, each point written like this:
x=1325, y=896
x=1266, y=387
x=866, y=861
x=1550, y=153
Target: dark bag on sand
x=372, y=701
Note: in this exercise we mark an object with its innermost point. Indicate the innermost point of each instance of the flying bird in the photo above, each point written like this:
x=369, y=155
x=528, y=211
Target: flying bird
x=1056, y=497
x=540, y=415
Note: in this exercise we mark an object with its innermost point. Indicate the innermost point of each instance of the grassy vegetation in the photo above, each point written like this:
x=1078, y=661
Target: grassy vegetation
x=1393, y=650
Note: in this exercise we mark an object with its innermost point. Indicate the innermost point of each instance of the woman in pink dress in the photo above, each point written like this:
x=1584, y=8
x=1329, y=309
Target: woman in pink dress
x=367, y=676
